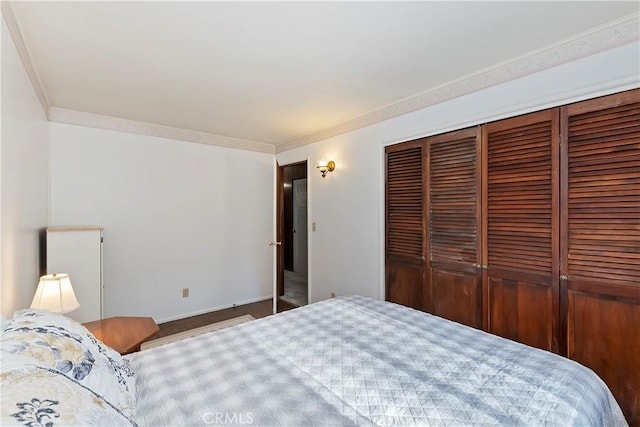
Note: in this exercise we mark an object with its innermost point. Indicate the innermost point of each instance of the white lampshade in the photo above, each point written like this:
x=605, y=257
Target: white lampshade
x=55, y=294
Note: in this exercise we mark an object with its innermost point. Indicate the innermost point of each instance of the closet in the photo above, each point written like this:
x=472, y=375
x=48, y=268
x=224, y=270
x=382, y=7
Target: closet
x=405, y=248
x=528, y=228
x=453, y=239
x=522, y=218
x=600, y=255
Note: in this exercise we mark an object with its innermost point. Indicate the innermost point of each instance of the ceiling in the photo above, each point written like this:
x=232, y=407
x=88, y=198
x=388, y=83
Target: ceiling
x=275, y=71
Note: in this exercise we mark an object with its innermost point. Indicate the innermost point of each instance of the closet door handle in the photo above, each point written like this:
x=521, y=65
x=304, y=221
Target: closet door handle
x=275, y=243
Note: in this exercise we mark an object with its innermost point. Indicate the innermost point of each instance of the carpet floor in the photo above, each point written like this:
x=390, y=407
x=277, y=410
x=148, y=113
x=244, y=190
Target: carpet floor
x=295, y=288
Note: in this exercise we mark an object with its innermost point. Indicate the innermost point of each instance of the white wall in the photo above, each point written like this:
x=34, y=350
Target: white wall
x=187, y=215
x=23, y=181
x=176, y=215
x=347, y=250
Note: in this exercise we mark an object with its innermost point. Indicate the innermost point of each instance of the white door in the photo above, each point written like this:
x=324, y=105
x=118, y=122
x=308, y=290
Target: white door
x=300, y=226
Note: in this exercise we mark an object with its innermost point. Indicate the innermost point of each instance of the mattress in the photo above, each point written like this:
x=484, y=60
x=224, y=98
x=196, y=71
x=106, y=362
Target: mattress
x=358, y=361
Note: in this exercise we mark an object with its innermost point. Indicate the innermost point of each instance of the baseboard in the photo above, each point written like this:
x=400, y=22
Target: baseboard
x=209, y=310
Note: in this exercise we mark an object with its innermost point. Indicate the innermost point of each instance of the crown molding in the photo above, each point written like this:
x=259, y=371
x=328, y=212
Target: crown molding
x=81, y=118
x=61, y=115
x=23, y=53
x=608, y=36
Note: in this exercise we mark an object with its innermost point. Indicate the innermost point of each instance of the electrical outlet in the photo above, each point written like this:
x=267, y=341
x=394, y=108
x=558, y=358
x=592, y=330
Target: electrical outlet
x=185, y=292
x=333, y=294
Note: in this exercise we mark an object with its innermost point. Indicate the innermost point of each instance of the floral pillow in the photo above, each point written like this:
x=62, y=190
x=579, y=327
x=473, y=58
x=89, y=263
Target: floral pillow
x=37, y=396
x=65, y=346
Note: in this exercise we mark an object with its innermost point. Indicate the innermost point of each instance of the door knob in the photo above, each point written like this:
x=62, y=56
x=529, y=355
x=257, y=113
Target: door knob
x=275, y=243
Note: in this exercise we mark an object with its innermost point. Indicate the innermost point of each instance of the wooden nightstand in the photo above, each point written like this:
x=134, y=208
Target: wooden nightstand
x=123, y=334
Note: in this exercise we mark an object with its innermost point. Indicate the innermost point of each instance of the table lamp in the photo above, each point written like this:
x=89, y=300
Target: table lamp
x=55, y=294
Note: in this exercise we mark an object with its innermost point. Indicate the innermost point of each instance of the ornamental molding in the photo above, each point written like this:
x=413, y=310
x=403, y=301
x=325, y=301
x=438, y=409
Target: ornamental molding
x=23, y=53
x=598, y=39
x=73, y=117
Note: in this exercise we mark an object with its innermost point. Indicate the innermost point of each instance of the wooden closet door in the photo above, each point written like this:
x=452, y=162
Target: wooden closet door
x=522, y=250
x=453, y=188
x=601, y=241
x=405, y=229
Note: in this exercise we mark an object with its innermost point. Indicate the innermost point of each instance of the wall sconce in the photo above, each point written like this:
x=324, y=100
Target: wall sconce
x=324, y=167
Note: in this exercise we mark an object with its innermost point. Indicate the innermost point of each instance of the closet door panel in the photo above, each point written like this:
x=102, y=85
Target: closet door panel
x=601, y=246
x=522, y=228
x=454, y=209
x=514, y=309
x=604, y=334
x=405, y=229
x=405, y=283
x=457, y=296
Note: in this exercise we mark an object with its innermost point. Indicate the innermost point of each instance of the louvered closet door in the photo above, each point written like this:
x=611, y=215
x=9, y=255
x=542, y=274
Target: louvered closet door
x=522, y=228
x=453, y=188
x=405, y=230
x=601, y=216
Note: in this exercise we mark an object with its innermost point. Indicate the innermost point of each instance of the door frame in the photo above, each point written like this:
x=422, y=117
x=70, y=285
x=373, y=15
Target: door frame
x=278, y=282
x=278, y=285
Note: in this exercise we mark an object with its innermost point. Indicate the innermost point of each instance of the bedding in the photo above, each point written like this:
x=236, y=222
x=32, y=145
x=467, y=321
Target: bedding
x=33, y=395
x=359, y=361
x=60, y=344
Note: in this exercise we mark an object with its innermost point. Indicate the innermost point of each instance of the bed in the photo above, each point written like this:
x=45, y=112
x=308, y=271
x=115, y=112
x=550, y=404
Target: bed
x=344, y=361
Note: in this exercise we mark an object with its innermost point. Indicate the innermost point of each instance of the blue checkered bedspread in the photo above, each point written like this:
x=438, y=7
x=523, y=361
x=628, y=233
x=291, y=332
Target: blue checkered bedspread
x=358, y=361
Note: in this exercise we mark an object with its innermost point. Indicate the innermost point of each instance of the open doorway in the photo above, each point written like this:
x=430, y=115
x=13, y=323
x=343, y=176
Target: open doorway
x=293, y=283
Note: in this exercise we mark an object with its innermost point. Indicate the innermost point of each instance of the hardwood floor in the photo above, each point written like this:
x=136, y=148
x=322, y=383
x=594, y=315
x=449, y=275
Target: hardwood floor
x=285, y=305
x=257, y=309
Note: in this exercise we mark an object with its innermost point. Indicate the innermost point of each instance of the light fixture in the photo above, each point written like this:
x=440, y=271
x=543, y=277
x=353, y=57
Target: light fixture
x=55, y=294
x=324, y=166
